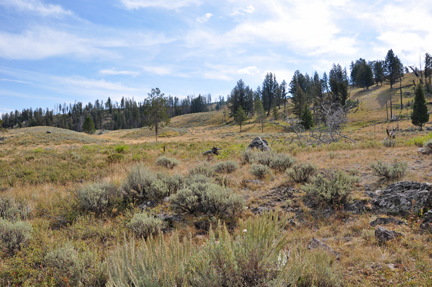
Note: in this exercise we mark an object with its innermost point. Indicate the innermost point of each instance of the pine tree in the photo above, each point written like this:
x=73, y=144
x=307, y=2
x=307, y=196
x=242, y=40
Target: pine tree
x=378, y=72
x=261, y=116
x=156, y=110
x=307, y=118
x=275, y=112
x=392, y=67
x=88, y=126
x=240, y=117
x=420, y=114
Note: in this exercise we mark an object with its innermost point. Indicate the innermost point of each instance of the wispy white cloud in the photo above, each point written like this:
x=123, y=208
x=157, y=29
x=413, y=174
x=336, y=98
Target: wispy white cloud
x=165, y=4
x=160, y=71
x=248, y=71
x=217, y=76
x=84, y=83
x=204, y=18
x=36, y=6
x=249, y=9
x=15, y=81
x=117, y=72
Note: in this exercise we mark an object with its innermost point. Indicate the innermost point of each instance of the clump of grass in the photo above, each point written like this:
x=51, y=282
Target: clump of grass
x=98, y=197
x=226, y=167
x=144, y=225
x=167, y=162
x=121, y=149
x=260, y=171
x=334, y=189
x=389, y=143
x=13, y=235
x=115, y=158
x=208, y=198
x=282, y=162
x=13, y=209
x=389, y=172
x=302, y=172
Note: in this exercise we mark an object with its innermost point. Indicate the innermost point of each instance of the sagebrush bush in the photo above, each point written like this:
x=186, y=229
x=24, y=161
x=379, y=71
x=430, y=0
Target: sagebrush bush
x=389, y=172
x=248, y=155
x=144, y=225
x=13, y=209
x=167, y=162
x=260, y=171
x=302, y=172
x=97, y=197
x=121, y=148
x=389, y=143
x=141, y=184
x=115, y=158
x=13, y=235
x=333, y=189
x=70, y=268
x=204, y=169
x=173, y=182
x=264, y=158
x=198, y=178
x=428, y=147
x=208, y=198
x=282, y=162
x=226, y=167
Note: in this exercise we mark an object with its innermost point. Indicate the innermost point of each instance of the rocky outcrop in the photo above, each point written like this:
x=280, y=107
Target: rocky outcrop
x=403, y=197
x=383, y=235
x=259, y=144
x=316, y=243
x=427, y=221
x=384, y=221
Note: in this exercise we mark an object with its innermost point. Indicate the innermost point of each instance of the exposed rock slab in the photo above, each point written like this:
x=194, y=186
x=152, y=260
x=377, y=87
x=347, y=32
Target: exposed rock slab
x=259, y=144
x=427, y=221
x=383, y=235
x=316, y=243
x=384, y=221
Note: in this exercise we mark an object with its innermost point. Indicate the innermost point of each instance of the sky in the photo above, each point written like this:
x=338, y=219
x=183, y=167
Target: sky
x=54, y=52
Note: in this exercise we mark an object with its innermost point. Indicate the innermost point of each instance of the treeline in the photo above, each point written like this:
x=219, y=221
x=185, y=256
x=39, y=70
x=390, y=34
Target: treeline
x=317, y=92
x=109, y=115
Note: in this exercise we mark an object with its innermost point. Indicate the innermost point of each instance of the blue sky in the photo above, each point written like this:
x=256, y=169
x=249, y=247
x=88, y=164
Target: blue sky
x=53, y=52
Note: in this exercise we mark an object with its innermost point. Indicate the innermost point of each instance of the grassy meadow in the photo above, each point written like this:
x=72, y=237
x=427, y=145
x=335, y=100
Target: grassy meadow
x=119, y=209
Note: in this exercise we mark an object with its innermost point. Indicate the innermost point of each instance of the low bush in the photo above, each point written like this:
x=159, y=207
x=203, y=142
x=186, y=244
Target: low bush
x=260, y=171
x=13, y=235
x=282, y=162
x=13, y=209
x=198, y=178
x=173, y=182
x=204, y=169
x=98, y=197
x=208, y=198
x=302, y=172
x=389, y=172
x=141, y=184
x=121, y=148
x=115, y=158
x=144, y=225
x=389, y=143
x=248, y=156
x=226, y=167
x=264, y=158
x=334, y=189
x=428, y=147
x=167, y=162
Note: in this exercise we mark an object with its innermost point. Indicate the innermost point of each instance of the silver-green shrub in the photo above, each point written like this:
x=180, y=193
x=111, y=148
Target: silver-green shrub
x=13, y=209
x=97, y=197
x=389, y=143
x=302, y=172
x=428, y=147
x=204, y=169
x=389, y=172
x=264, y=158
x=226, y=167
x=141, y=184
x=248, y=155
x=198, y=178
x=173, y=182
x=281, y=162
x=208, y=198
x=167, y=162
x=14, y=234
x=260, y=171
x=334, y=189
x=144, y=225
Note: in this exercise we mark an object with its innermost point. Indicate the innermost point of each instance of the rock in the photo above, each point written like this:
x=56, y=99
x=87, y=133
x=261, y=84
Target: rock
x=398, y=198
x=170, y=219
x=166, y=199
x=147, y=204
x=429, y=128
x=315, y=243
x=383, y=235
x=427, y=221
x=254, y=181
x=260, y=144
x=422, y=150
x=260, y=210
x=384, y=221
x=48, y=132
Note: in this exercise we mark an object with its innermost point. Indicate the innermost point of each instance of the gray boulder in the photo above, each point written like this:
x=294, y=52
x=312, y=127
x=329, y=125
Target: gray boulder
x=316, y=243
x=384, y=221
x=383, y=235
x=427, y=221
x=259, y=144
x=398, y=198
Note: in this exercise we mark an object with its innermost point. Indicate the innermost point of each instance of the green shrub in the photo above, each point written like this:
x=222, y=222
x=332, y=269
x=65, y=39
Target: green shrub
x=115, y=158
x=282, y=162
x=167, y=162
x=13, y=235
x=208, y=198
x=301, y=172
x=121, y=148
x=260, y=171
x=389, y=143
x=248, y=156
x=389, y=172
x=428, y=147
x=198, y=178
x=141, y=185
x=98, y=197
x=203, y=169
x=173, y=182
x=144, y=225
x=70, y=268
x=334, y=189
x=226, y=167
x=264, y=158
x=13, y=209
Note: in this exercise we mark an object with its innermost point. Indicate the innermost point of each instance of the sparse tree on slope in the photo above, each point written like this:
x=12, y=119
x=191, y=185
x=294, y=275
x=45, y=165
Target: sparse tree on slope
x=261, y=116
x=156, y=110
x=420, y=114
x=240, y=117
x=88, y=126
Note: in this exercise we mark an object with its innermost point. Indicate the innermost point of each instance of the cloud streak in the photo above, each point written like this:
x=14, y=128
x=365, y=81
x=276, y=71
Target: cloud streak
x=36, y=7
x=165, y=4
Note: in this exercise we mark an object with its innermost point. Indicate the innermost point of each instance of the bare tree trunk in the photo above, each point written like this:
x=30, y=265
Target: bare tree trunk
x=400, y=88
x=391, y=107
x=387, y=110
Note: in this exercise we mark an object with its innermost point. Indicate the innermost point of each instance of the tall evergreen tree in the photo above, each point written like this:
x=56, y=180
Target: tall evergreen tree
x=88, y=126
x=259, y=111
x=420, y=114
x=378, y=72
x=306, y=118
x=428, y=72
x=240, y=117
x=269, y=91
x=338, y=80
x=364, y=77
x=156, y=110
x=392, y=67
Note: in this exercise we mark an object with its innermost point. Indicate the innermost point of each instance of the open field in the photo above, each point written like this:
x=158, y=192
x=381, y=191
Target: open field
x=82, y=236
